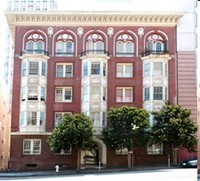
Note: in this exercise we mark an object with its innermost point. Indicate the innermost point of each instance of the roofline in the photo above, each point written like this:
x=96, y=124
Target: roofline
x=88, y=18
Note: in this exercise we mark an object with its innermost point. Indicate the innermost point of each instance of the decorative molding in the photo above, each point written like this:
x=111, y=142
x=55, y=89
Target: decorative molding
x=90, y=18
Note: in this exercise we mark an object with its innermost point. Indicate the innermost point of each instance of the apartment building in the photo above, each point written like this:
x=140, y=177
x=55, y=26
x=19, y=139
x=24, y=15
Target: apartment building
x=73, y=62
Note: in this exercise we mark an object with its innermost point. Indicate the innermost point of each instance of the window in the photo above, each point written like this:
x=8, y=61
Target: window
x=31, y=146
x=85, y=69
x=124, y=94
x=95, y=93
x=64, y=48
x=157, y=68
x=58, y=116
x=95, y=44
x=42, y=118
x=104, y=69
x=122, y=151
x=104, y=115
x=63, y=94
x=64, y=45
x=146, y=69
x=35, y=44
x=155, y=149
x=32, y=93
x=43, y=70
x=23, y=93
x=63, y=151
x=24, y=69
x=23, y=118
x=125, y=46
x=158, y=93
x=64, y=70
x=104, y=93
x=95, y=68
x=32, y=119
x=146, y=94
x=156, y=43
x=33, y=68
x=43, y=94
x=124, y=70
x=95, y=116
x=85, y=93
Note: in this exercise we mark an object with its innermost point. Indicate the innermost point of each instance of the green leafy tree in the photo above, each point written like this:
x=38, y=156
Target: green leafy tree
x=174, y=127
x=74, y=131
x=128, y=129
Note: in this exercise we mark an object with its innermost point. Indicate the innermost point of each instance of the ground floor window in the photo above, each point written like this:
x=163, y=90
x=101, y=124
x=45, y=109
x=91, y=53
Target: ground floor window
x=155, y=149
x=31, y=146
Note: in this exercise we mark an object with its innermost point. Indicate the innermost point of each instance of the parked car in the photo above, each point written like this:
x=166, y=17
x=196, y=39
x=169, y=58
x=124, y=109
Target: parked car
x=190, y=163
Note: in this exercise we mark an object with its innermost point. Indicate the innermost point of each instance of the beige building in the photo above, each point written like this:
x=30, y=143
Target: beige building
x=4, y=127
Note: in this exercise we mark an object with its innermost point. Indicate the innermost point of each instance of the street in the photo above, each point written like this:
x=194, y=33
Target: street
x=145, y=175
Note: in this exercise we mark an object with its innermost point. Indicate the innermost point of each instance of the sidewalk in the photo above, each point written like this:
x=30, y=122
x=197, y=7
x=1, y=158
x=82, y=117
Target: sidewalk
x=82, y=171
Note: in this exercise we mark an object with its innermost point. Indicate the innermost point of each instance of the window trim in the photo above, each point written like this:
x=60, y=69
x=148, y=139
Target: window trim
x=124, y=94
x=31, y=149
x=63, y=94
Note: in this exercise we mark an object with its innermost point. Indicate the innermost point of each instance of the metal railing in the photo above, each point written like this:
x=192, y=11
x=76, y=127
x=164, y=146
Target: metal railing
x=35, y=51
x=95, y=52
x=148, y=52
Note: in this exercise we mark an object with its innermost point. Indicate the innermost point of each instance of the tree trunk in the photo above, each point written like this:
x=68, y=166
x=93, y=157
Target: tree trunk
x=129, y=160
x=78, y=160
x=175, y=156
x=133, y=158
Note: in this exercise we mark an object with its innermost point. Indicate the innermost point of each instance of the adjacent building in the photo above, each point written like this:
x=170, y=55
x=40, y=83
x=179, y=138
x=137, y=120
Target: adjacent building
x=31, y=5
x=4, y=127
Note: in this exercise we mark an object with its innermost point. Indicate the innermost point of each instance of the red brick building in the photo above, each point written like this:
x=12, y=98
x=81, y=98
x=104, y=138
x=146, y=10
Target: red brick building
x=72, y=62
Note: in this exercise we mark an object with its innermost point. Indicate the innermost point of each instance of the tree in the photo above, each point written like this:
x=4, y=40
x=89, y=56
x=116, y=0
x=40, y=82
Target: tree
x=174, y=127
x=127, y=129
x=74, y=131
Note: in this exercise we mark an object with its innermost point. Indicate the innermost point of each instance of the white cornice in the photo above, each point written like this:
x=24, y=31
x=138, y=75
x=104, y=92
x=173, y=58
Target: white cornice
x=80, y=18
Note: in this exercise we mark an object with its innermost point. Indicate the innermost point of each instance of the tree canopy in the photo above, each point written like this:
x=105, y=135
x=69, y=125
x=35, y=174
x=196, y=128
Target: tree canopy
x=174, y=126
x=127, y=127
x=74, y=131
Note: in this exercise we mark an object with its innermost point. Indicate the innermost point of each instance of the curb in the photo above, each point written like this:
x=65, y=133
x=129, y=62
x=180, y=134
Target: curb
x=81, y=172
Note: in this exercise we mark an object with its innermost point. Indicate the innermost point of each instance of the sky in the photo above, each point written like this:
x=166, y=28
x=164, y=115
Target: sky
x=124, y=5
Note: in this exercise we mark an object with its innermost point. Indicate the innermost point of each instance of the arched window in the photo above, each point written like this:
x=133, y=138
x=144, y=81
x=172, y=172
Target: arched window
x=95, y=44
x=65, y=45
x=156, y=44
x=125, y=46
x=35, y=44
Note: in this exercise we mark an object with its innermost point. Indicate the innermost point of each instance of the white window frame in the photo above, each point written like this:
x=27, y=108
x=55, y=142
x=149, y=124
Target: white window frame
x=158, y=93
x=64, y=152
x=147, y=69
x=155, y=149
x=65, y=72
x=33, y=92
x=62, y=96
x=95, y=93
x=63, y=48
x=122, y=151
x=124, y=70
x=31, y=147
x=158, y=68
x=123, y=95
x=32, y=118
x=58, y=116
x=95, y=68
x=33, y=68
x=146, y=93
